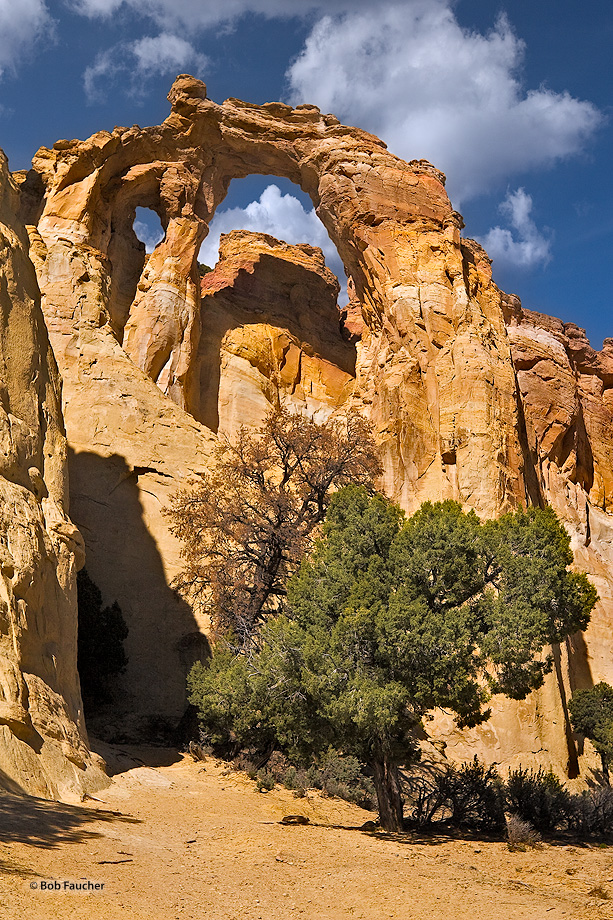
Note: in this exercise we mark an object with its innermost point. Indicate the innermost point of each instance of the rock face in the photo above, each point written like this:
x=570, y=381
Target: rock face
x=566, y=427
x=43, y=743
x=471, y=397
x=130, y=448
x=270, y=332
x=427, y=330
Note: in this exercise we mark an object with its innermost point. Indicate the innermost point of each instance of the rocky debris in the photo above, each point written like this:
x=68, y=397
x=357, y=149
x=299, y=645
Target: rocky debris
x=43, y=743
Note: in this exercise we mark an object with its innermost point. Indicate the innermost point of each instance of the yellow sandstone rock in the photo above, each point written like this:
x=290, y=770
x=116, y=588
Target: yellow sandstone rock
x=43, y=742
x=471, y=397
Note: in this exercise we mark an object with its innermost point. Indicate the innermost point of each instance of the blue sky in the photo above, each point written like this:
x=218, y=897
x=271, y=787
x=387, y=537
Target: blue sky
x=513, y=100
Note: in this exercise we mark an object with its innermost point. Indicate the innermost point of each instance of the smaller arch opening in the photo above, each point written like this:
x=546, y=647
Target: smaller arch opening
x=148, y=228
x=135, y=232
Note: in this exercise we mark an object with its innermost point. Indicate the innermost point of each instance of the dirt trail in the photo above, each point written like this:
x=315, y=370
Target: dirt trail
x=189, y=841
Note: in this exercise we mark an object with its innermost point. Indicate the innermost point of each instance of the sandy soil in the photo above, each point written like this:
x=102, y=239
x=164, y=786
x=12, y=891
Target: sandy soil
x=176, y=840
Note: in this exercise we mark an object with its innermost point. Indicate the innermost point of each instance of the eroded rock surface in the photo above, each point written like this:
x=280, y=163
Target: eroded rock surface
x=271, y=331
x=43, y=742
x=429, y=322
x=471, y=397
x=130, y=448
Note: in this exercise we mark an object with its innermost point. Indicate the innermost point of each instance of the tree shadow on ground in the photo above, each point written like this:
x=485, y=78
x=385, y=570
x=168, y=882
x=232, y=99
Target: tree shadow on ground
x=46, y=824
x=405, y=837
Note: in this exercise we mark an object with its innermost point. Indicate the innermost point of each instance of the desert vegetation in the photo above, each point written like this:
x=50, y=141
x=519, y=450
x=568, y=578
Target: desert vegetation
x=383, y=620
x=591, y=712
x=247, y=524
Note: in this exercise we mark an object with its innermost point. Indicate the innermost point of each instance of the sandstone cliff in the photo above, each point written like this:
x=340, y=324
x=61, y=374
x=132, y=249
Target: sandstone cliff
x=566, y=429
x=43, y=743
x=471, y=397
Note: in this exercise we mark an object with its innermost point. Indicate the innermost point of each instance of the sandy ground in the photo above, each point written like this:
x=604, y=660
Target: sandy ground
x=178, y=840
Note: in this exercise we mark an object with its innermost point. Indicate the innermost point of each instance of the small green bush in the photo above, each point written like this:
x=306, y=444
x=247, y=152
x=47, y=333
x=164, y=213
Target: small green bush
x=334, y=774
x=341, y=775
x=290, y=779
x=296, y=781
x=265, y=781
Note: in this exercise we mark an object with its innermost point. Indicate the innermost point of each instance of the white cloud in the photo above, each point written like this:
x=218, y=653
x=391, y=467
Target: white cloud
x=148, y=229
x=409, y=73
x=430, y=88
x=164, y=54
x=22, y=24
x=95, y=8
x=135, y=62
x=530, y=247
x=202, y=14
x=281, y=216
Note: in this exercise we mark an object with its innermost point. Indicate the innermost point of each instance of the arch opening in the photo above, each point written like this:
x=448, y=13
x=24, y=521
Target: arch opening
x=272, y=327
x=148, y=228
x=278, y=207
x=135, y=231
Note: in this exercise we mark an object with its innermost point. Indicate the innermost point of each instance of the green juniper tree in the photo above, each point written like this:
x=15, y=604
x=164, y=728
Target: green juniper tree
x=389, y=618
x=591, y=713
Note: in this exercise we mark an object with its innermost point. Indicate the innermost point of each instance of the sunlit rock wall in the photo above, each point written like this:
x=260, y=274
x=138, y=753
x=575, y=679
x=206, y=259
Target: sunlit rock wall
x=43, y=743
x=470, y=397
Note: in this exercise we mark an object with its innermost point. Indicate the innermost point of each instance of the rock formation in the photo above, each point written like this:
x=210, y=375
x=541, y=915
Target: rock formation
x=471, y=398
x=43, y=743
x=271, y=332
x=565, y=403
x=398, y=236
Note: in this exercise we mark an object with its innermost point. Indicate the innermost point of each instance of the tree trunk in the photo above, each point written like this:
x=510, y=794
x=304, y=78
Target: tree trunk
x=387, y=785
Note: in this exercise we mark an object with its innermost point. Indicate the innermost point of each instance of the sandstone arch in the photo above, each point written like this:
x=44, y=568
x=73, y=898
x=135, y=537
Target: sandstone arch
x=455, y=376
x=421, y=310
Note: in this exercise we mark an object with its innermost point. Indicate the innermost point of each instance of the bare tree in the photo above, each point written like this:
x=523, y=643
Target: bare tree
x=246, y=526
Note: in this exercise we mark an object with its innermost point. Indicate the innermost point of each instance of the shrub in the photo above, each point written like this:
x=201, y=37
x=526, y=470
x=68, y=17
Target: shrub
x=265, y=781
x=425, y=797
x=296, y=781
x=475, y=797
x=539, y=798
x=591, y=712
x=342, y=776
x=521, y=834
x=591, y=814
x=333, y=773
x=469, y=796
